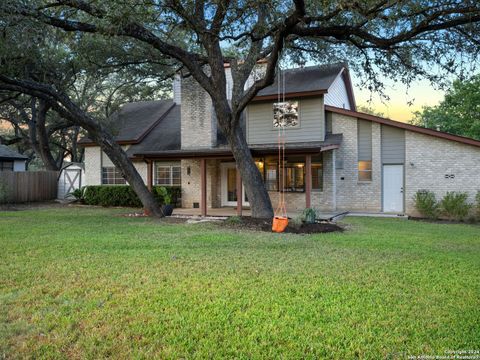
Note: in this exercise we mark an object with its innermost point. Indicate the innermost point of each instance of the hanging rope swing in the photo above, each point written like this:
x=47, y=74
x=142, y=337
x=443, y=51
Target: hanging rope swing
x=280, y=218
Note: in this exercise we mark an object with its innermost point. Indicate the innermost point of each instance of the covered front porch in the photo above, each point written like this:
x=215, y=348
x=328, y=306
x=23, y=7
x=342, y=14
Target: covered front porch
x=211, y=184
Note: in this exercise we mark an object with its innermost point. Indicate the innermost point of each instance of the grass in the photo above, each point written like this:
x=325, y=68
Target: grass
x=83, y=283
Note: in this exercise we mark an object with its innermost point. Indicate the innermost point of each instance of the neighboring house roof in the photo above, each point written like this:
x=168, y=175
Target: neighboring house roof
x=308, y=81
x=401, y=125
x=132, y=123
x=7, y=153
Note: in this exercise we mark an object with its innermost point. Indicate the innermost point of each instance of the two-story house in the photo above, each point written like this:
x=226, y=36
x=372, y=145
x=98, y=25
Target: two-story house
x=336, y=158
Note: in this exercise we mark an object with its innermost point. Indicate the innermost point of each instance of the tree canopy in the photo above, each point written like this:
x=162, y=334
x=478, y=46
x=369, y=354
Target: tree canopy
x=396, y=39
x=458, y=113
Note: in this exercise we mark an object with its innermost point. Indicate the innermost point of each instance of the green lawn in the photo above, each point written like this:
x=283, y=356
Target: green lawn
x=84, y=283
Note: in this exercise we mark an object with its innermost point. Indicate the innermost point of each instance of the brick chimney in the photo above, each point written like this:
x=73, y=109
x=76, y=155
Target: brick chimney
x=198, y=121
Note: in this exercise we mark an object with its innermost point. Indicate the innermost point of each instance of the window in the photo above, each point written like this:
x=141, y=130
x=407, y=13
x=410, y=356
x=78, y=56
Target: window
x=285, y=114
x=364, y=136
x=294, y=177
x=111, y=175
x=317, y=173
x=6, y=165
x=168, y=174
x=271, y=181
x=364, y=170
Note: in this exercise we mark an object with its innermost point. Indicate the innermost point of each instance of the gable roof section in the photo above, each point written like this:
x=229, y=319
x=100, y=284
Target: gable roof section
x=164, y=136
x=7, y=153
x=405, y=126
x=134, y=121
x=309, y=81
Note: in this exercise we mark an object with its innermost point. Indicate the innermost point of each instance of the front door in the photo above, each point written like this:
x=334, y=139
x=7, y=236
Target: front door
x=393, y=188
x=229, y=186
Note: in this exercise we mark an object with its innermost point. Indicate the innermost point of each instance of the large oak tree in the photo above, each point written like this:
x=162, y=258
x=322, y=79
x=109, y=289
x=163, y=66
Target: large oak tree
x=399, y=39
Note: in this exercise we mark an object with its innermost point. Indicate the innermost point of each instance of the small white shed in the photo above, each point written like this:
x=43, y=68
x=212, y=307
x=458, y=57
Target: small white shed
x=71, y=177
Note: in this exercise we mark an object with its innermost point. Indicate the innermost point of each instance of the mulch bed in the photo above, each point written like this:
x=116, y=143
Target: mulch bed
x=249, y=223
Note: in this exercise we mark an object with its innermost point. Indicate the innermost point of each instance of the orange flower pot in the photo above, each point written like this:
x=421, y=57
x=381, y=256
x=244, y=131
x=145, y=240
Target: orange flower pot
x=279, y=224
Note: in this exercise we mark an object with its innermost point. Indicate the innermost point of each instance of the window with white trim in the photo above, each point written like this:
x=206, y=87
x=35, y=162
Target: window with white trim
x=111, y=175
x=168, y=174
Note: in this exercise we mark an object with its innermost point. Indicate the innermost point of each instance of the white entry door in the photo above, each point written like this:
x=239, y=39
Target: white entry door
x=393, y=188
x=229, y=186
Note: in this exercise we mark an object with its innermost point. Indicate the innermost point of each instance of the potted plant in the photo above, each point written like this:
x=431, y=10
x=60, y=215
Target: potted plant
x=167, y=207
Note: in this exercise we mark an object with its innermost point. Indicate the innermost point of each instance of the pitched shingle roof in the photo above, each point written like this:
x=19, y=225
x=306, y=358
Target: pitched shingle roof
x=7, y=153
x=164, y=136
x=135, y=120
x=307, y=79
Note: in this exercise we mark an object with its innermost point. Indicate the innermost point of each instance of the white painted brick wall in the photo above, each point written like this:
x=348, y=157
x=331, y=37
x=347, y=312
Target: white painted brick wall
x=93, y=165
x=95, y=159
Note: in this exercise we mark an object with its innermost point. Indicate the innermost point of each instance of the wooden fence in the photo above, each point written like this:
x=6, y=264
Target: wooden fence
x=26, y=186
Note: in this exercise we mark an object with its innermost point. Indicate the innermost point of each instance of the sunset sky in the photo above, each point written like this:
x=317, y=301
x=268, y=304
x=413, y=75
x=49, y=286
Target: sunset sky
x=421, y=93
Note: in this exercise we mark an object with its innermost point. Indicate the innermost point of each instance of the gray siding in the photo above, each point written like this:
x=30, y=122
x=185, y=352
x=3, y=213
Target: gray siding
x=337, y=94
x=364, y=140
x=177, y=89
x=260, y=128
x=393, y=145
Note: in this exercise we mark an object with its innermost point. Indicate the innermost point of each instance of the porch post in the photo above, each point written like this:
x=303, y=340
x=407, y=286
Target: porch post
x=334, y=179
x=203, y=186
x=308, y=180
x=239, y=194
x=150, y=175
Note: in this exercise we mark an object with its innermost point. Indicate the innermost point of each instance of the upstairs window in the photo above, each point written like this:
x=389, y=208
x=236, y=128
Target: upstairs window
x=168, y=174
x=285, y=115
x=111, y=175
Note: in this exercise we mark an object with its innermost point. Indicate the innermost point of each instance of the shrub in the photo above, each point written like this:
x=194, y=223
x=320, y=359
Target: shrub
x=123, y=195
x=4, y=192
x=426, y=203
x=309, y=215
x=234, y=220
x=477, y=203
x=454, y=205
x=77, y=194
x=297, y=221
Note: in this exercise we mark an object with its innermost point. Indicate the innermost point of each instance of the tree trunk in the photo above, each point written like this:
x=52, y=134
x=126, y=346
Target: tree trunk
x=68, y=110
x=43, y=150
x=121, y=160
x=260, y=203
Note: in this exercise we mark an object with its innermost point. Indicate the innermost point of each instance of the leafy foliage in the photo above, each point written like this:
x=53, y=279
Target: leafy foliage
x=454, y=205
x=309, y=215
x=426, y=203
x=458, y=113
x=123, y=195
x=477, y=203
x=4, y=192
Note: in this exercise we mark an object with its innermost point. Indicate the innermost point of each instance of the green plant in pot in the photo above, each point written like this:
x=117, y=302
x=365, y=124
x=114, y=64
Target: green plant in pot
x=167, y=207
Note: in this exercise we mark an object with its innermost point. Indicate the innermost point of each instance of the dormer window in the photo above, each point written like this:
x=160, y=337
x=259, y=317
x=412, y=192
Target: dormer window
x=285, y=115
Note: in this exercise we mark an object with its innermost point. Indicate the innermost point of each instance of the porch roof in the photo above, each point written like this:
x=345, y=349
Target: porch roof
x=332, y=141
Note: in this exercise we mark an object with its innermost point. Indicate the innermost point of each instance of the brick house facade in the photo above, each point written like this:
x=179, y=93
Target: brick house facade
x=337, y=158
